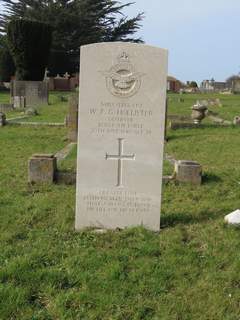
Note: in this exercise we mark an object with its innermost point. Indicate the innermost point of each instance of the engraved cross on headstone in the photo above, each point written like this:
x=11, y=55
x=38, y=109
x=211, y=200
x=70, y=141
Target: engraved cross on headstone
x=120, y=157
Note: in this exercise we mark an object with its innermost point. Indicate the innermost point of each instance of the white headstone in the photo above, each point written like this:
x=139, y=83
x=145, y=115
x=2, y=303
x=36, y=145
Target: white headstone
x=121, y=135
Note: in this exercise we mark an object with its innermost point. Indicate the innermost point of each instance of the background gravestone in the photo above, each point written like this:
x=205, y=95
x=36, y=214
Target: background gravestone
x=72, y=118
x=2, y=119
x=35, y=92
x=4, y=107
x=121, y=135
x=236, y=86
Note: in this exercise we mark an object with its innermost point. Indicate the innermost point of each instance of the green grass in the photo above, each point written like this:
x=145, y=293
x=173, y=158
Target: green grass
x=189, y=271
x=4, y=97
x=70, y=162
x=230, y=104
x=54, y=112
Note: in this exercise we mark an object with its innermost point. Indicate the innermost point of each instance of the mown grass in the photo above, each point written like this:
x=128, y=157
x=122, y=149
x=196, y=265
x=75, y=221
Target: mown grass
x=4, y=97
x=229, y=109
x=54, y=112
x=189, y=271
x=70, y=162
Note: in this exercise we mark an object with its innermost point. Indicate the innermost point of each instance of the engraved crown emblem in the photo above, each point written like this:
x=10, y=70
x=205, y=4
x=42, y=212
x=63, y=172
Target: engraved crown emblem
x=122, y=80
x=123, y=57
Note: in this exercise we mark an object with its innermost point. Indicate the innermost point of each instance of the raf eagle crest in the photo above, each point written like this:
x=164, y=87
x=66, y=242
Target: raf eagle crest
x=122, y=80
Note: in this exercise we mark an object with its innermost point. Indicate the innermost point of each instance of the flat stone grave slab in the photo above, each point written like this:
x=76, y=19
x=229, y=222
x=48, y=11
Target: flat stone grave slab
x=175, y=125
x=121, y=136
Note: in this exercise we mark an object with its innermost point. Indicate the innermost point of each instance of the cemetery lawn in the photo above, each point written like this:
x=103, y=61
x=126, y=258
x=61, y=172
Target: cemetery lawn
x=55, y=112
x=190, y=271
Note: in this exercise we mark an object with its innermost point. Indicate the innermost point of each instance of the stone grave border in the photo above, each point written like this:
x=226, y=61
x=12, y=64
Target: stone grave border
x=179, y=167
x=17, y=121
x=36, y=124
x=185, y=122
x=60, y=177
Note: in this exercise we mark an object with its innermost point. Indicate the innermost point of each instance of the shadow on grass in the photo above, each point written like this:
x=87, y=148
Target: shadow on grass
x=210, y=178
x=192, y=132
x=172, y=220
x=66, y=177
x=170, y=137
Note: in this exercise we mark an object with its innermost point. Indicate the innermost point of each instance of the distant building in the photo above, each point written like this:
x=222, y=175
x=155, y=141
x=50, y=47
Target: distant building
x=212, y=85
x=174, y=84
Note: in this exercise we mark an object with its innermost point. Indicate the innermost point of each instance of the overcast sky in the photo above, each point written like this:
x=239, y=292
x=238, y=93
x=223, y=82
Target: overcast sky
x=203, y=37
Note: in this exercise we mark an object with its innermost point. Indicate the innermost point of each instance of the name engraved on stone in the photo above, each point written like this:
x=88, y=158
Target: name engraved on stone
x=120, y=157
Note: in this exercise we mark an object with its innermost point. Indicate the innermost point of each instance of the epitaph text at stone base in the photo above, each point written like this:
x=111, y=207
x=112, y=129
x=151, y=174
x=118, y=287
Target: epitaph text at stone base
x=121, y=136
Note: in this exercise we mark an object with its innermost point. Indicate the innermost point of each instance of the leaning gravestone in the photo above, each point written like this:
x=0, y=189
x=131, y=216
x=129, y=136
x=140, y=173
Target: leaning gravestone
x=34, y=92
x=121, y=136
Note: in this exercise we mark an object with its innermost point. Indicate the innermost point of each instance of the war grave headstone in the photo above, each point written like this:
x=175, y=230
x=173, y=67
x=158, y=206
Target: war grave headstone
x=121, y=135
x=34, y=92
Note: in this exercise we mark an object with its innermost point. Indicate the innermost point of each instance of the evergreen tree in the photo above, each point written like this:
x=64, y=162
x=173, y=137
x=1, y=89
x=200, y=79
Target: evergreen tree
x=193, y=84
x=75, y=23
x=231, y=80
x=7, y=67
x=29, y=43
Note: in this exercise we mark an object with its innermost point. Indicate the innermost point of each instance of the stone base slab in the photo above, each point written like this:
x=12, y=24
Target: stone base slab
x=188, y=171
x=42, y=168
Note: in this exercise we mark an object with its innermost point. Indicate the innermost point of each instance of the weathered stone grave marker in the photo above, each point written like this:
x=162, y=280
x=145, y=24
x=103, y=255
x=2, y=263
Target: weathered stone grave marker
x=42, y=168
x=2, y=119
x=34, y=92
x=72, y=118
x=6, y=107
x=121, y=136
x=236, y=86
